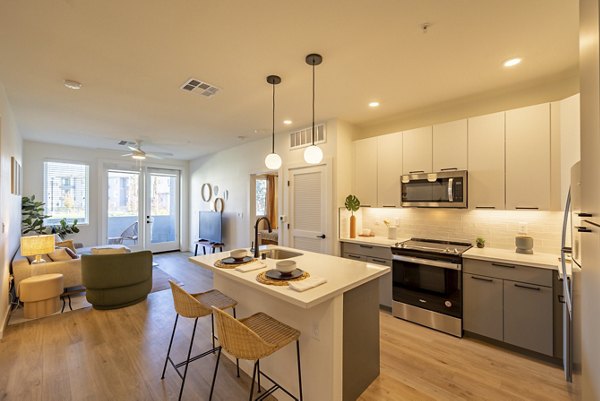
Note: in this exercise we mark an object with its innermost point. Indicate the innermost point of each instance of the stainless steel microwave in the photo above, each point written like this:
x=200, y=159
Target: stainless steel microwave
x=443, y=189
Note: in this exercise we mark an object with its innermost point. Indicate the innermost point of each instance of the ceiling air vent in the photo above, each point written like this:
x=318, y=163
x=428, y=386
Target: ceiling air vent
x=303, y=137
x=199, y=87
x=124, y=142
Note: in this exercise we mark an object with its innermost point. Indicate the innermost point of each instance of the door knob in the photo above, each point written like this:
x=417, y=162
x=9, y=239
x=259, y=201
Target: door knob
x=322, y=236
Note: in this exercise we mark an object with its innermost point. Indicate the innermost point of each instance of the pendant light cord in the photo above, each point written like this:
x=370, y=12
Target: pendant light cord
x=313, y=106
x=273, y=137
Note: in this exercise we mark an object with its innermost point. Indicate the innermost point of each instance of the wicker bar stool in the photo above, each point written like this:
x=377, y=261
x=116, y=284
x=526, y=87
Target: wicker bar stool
x=254, y=338
x=195, y=306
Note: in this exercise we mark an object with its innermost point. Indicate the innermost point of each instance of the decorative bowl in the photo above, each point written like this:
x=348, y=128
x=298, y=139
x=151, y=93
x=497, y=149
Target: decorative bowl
x=238, y=253
x=286, y=266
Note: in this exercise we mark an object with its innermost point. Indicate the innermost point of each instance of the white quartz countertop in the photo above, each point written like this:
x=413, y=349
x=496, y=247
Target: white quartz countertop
x=541, y=260
x=342, y=275
x=377, y=241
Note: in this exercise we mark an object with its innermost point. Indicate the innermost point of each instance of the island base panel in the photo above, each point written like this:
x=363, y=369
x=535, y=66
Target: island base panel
x=361, y=339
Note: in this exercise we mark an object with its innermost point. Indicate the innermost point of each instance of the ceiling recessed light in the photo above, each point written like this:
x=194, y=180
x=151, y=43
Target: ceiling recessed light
x=374, y=104
x=287, y=122
x=512, y=62
x=72, y=84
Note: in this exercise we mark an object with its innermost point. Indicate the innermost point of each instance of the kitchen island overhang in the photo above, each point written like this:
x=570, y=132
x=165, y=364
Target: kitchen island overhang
x=339, y=321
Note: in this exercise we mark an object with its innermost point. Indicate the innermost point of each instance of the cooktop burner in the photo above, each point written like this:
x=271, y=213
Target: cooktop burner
x=435, y=246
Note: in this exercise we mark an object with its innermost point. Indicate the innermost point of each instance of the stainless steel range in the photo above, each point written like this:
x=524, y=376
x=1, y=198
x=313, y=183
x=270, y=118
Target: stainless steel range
x=427, y=283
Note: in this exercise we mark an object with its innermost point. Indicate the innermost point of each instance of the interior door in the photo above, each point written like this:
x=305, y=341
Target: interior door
x=162, y=210
x=309, y=209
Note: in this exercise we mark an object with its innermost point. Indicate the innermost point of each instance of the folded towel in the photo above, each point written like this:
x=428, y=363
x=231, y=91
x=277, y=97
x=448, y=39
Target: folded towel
x=307, y=284
x=248, y=267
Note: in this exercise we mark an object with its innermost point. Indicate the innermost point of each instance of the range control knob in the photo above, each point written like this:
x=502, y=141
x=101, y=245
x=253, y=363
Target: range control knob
x=456, y=251
x=448, y=304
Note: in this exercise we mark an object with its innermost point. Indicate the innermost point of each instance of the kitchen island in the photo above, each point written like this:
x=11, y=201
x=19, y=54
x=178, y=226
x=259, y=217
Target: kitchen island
x=338, y=321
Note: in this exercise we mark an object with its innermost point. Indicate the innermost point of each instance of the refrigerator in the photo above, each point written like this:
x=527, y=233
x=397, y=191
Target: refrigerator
x=570, y=273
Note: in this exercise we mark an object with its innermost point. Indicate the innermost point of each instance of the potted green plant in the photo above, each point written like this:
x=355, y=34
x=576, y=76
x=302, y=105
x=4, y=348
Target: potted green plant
x=352, y=204
x=33, y=216
x=480, y=242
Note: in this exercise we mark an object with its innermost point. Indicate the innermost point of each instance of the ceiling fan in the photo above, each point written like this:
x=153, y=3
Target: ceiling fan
x=138, y=154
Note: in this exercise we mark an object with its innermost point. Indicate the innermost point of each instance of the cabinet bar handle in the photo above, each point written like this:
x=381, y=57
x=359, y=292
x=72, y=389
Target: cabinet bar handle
x=389, y=206
x=584, y=214
x=482, y=279
x=378, y=260
x=365, y=205
x=448, y=169
x=582, y=229
x=485, y=207
x=416, y=171
x=528, y=287
x=503, y=265
x=354, y=256
x=526, y=208
x=366, y=246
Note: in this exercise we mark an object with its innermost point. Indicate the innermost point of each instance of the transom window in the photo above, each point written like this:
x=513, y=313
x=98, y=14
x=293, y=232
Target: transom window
x=66, y=192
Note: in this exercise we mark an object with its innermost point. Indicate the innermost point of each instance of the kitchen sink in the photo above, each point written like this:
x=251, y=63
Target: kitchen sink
x=279, y=254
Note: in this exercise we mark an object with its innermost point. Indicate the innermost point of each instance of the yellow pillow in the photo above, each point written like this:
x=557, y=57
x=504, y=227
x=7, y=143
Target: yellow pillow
x=109, y=251
x=59, y=254
x=68, y=243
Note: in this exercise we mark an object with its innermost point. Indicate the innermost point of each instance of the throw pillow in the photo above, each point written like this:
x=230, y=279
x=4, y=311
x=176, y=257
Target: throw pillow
x=59, y=254
x=72, y=254
x=109, y=251
x=68, y=243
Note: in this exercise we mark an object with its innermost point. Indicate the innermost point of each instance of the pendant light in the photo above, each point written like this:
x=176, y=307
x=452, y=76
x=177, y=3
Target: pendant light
x=273, y=160
x=313, y=154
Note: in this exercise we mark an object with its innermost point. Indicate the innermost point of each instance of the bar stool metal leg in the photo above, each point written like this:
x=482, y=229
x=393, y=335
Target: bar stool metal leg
x=169, y=350
x=212, y=387
x=253, y=379
x=212, y=328
x=258, y=368
x=187, y=362
x=237, y=361
x=299, y=370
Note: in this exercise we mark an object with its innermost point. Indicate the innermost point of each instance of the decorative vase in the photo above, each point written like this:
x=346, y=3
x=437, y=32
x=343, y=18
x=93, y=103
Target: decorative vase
x=353, y=226
x=480, y=245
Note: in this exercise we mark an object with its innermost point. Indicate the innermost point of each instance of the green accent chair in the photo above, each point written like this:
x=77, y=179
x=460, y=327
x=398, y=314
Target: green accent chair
x=117, y=280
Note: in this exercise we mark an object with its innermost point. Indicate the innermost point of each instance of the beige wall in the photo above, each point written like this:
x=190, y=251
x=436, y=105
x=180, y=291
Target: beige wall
x=231, y=169
x=10, y=205
x=539, y=91
x=35, y=153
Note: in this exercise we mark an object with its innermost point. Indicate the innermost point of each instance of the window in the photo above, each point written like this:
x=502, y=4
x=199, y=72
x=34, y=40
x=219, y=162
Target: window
x=66, y=192
x=261, y=197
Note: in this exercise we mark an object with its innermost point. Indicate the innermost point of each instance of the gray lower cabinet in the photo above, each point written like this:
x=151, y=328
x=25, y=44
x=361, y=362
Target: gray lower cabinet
x=379, y=255
x=528, y=316
x=509, y=303
x=483, y=307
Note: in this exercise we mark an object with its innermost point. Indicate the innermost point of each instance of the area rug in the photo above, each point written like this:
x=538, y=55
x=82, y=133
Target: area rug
x=160, y=282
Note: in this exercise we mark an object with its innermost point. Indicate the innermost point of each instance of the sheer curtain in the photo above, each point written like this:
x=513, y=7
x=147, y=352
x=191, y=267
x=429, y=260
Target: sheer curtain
x=272, y=200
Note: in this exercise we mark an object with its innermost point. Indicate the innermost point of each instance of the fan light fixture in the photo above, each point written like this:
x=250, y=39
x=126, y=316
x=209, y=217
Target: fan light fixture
x=313, y=154
x=273, y=160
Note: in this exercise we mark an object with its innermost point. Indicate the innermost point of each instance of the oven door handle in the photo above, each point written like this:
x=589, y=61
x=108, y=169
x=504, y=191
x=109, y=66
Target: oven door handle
x=450, y=190
x=428, y=262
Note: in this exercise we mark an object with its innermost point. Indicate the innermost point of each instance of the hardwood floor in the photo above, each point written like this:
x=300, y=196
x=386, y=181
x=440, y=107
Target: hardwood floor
x=119, y=355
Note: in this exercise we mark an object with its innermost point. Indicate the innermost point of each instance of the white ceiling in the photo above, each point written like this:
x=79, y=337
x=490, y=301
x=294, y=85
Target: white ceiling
x=132, y=56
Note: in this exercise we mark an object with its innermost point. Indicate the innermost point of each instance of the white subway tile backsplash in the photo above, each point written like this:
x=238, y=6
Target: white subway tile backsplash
x=498, y=227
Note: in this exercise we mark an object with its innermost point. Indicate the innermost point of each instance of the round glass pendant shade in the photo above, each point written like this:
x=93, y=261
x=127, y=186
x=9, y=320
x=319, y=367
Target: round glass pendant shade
x=273, y=161
x=313, y=154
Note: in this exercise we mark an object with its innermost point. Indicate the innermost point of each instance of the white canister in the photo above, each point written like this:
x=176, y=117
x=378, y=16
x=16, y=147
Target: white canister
x=392, y=232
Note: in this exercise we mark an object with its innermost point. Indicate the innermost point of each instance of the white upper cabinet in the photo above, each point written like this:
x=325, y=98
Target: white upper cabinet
x=528, y=158
x=450, y=146
x=417, y=150
x=389, y=169
x=486, y=161
x=365, y=171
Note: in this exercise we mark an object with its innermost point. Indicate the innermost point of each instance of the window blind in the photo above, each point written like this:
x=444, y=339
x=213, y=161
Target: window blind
x=66, y=191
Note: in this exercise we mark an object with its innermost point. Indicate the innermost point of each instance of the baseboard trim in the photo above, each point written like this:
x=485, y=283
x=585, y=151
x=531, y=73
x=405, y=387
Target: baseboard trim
x=5, y=321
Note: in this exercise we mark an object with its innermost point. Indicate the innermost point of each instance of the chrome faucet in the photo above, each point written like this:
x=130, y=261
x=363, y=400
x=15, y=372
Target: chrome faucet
x=256, y=233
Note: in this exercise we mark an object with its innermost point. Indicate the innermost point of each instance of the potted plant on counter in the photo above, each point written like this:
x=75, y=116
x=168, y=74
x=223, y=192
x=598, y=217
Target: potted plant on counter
x=352, y=204
x=480, y=242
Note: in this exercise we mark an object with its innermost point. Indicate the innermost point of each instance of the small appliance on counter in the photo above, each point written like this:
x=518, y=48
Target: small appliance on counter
x=427, y=283
x=524, y=244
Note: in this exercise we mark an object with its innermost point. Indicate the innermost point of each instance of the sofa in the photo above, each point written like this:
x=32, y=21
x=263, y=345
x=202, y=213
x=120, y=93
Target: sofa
x=117, y=280
x=68, y=266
